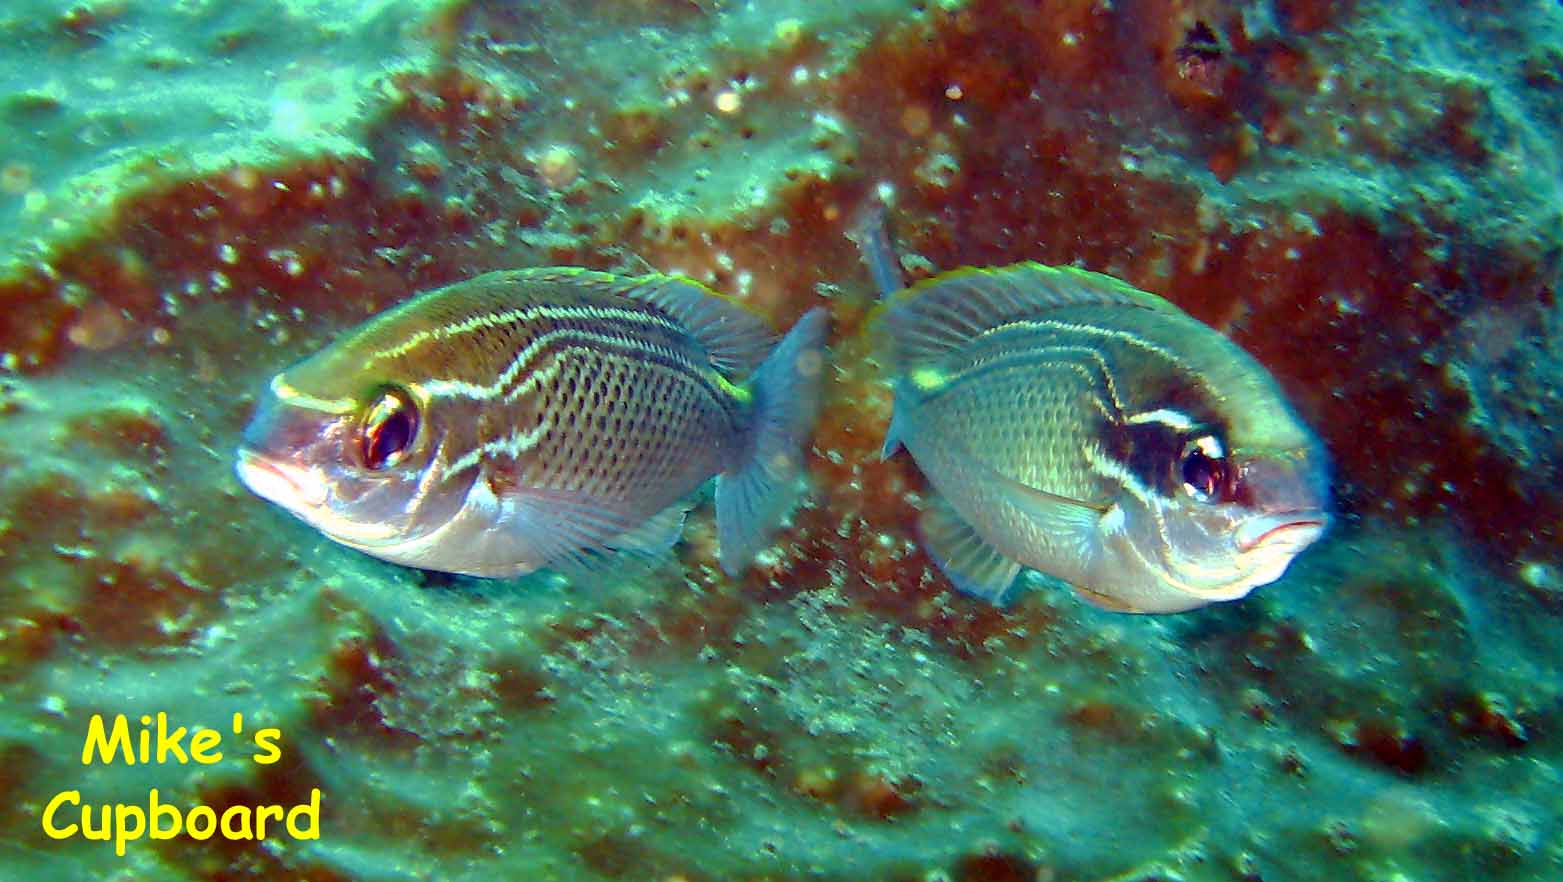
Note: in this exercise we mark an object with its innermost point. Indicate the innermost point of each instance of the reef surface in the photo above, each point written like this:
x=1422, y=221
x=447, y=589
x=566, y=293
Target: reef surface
x=1365, y=195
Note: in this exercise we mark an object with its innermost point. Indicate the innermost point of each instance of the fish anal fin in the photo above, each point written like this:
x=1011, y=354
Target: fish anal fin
x=657, y=534
x=971, y=564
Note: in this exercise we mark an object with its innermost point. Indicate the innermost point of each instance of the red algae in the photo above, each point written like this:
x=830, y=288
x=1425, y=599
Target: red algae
x=883, y=799
x=1388, y=744
x=998, y=867
x=354, y=687
x=1308, y=16
x=1489, y=716
x=33, y=322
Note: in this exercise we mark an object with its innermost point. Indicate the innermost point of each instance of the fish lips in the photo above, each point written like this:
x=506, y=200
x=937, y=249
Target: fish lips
x=1289, y=497
x=273, y=480
x=308, y=496
x=1277, y=531
x=276, y=442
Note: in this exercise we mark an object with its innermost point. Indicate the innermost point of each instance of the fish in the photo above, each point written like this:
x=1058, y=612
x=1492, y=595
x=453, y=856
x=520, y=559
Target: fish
x=1070, y=423
x=545, y=418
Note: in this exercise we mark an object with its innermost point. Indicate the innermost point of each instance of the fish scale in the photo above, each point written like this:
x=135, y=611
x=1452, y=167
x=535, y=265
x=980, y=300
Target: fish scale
x=1073, y=424
x=1025, y=416
x=541, y=418
x=628, y=442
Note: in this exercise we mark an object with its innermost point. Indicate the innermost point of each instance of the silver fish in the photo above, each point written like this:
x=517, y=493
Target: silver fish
x=541, y=418
x=1073, y=424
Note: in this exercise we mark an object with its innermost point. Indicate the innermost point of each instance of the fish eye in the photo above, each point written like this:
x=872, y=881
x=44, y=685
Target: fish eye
x=389, y=425
x=1204, y=469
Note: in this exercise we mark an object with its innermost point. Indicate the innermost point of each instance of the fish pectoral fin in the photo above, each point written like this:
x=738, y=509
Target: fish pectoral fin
x=561, y=529
x=1071, y=528
x=1073, y=525
x=657, y=534
x=1052, y=505
x=736, y=337
x=1055, y=514
x=970, y=563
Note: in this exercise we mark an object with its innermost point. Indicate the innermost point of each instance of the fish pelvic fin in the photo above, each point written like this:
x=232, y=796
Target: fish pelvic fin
x=894, y=432
x=981, y=520
x=966, y=559
x=754, y=495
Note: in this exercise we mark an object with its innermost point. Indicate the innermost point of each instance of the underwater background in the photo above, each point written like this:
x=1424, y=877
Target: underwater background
x=1367, y=195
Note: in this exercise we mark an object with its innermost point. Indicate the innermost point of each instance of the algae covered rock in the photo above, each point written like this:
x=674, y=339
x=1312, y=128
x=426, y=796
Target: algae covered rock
x=1362, y=195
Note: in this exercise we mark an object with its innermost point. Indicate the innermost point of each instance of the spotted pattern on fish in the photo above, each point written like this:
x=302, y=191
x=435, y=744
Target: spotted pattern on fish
x=558, y=410
x=1073, y=424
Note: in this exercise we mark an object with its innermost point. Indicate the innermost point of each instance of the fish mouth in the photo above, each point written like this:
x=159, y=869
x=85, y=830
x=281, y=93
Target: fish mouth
x=1294, y=529
x=286, y=485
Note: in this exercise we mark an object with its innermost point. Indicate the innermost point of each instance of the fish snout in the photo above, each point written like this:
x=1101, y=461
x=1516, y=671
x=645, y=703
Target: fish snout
x=1288, y=497
x=278, y=428
x=1294, y=482
x=279, y=451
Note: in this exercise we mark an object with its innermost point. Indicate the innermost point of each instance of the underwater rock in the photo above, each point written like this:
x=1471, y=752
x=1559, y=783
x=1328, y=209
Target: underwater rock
x=1362, y=195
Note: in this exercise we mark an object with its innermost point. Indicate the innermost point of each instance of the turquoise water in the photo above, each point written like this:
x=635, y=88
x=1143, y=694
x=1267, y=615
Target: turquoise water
x=193, y=196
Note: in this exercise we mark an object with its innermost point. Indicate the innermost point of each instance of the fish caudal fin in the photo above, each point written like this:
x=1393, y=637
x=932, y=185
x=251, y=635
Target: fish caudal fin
x=753, y=497
x=970, y=563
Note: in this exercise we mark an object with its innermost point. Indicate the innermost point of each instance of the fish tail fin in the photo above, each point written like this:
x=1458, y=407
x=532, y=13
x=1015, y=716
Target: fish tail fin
x=753, y=496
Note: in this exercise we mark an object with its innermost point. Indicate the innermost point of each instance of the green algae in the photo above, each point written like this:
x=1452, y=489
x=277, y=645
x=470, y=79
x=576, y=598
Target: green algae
x=109, y=99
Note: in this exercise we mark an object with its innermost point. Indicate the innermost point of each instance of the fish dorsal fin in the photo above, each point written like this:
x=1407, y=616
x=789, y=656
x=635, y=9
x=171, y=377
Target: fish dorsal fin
x=941, y=314
x=970, y=563
x=894, y=433
x=736, y=337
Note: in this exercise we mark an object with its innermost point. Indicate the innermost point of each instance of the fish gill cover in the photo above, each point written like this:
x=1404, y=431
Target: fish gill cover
x=1363, y=195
